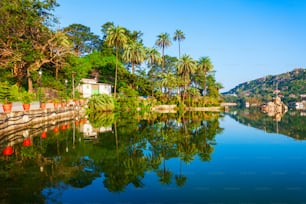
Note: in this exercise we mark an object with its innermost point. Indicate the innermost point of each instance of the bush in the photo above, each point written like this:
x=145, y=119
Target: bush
x=101, y=102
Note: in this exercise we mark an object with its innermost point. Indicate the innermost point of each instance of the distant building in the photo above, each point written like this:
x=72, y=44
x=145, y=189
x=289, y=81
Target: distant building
x=89, y=87
x=276, y=91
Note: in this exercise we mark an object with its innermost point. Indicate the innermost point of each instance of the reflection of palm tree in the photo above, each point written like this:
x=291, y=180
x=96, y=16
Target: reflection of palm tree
x=180, y=179
x=205, y=148
x=164, y=174
x=153, y=161
x=187, y=150
x=115, y=181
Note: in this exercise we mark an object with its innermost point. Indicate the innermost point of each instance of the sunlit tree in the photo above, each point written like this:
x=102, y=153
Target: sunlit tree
x=186, y=66
x=163, y=41
x=204, y=65
x=116, y=38
x=134, y=53
x=179, y=36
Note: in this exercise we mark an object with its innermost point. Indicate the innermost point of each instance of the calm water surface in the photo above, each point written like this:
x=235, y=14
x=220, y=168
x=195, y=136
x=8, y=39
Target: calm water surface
x=204, y=158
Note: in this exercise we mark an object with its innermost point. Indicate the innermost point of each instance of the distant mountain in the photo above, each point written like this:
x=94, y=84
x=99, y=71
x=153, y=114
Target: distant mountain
x=290, y=86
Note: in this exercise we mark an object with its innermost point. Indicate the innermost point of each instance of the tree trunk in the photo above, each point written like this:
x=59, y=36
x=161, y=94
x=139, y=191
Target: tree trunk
x=133, y=68
x=163, y=65
x=115, y=86
x=30, y=84
x=56, y=71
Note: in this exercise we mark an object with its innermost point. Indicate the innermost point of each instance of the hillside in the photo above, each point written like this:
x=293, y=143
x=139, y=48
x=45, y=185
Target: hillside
x=290, y=86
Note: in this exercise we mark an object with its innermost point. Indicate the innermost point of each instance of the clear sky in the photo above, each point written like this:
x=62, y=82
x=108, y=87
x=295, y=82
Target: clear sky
x=245, y=39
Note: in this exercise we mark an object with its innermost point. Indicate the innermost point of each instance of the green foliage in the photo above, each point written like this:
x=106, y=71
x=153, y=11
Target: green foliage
x=101, y=103
x=128, y=99
x=84, y=41
x=26, y=97
x=104, y=119
x=23, y=25
x=291, y=124
x=290, y=85
x=28, y=152
x=8, y=93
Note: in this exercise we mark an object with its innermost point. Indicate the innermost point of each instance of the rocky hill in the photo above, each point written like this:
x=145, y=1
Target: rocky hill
x=290, y=86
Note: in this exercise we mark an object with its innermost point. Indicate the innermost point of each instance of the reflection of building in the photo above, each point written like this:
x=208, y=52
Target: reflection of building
x=88, y=132
x=298, y=105
x=92, y=133
x=89, y=87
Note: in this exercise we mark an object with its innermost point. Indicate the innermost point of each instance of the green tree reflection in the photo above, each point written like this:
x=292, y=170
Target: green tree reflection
x=134, y=145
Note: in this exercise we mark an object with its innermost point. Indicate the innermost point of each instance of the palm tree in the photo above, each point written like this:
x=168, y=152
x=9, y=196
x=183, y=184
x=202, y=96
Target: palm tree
x=153, y=57
x=179, y=36
x=168, y=81
x=186, y=66
x=163, y=41
x=134, y=53
x=204, y=66
x=116, y=38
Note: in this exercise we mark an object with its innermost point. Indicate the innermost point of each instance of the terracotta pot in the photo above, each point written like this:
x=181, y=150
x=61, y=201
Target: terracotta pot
x=26, y=107
x=76, y=101
x=27, y=142
x=43, y=106
x=7, y=108
x=8, y=151
x=55, y=105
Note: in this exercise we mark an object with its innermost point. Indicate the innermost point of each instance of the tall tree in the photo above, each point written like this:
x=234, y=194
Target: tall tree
x=116, y=38
x=84, y=41
x=134, y=53
x=186, y=66
x=24, y=36
x=163, y=41
x=168, y=81
x=204, y=66
x=153, y=58
x=179, y=36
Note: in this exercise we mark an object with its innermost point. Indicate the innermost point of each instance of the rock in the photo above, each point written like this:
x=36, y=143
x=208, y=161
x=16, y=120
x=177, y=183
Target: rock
x=275, y=107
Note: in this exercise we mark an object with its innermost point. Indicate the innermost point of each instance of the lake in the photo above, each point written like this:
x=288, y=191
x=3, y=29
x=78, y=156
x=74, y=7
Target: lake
x=243, y=156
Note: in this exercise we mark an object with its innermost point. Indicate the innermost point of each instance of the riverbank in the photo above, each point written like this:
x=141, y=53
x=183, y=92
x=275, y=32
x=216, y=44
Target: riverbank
x=12, y=123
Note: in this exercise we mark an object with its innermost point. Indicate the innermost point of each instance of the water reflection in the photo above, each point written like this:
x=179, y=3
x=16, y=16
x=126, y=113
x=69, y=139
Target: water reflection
x=39, y=163
x=292, y=123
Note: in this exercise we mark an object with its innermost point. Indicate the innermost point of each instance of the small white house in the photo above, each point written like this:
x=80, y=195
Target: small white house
x=89, y=87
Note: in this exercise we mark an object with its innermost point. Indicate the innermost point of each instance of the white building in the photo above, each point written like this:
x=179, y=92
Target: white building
x=89, y=87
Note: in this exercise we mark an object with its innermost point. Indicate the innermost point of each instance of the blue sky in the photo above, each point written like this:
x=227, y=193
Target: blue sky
x=245, y=39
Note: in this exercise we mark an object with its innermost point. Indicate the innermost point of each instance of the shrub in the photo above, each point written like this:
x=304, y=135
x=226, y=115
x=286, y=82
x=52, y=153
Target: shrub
x=101, y=102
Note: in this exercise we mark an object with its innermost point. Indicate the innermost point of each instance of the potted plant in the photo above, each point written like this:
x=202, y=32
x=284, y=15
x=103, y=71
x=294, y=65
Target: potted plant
x=43, y=103
x=8, y=94
x=26, y=98
x=55, y=102
x=43, y=100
